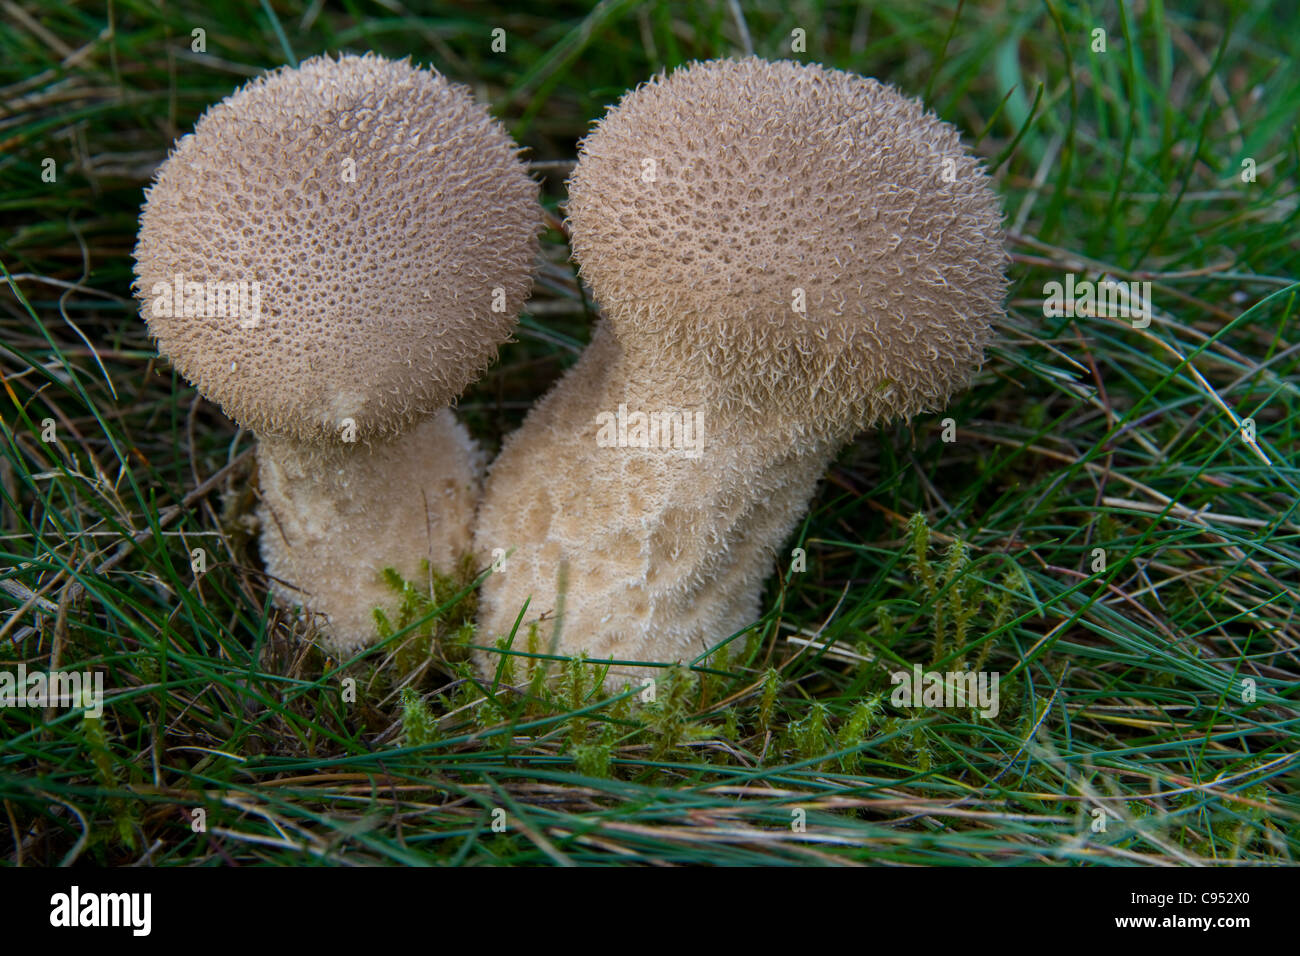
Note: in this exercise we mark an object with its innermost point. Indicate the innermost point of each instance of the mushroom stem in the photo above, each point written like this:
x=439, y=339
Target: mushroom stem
x=666, y=549
x=335, y=518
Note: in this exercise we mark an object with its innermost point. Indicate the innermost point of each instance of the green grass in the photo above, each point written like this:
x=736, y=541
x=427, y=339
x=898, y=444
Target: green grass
x=1121, y=687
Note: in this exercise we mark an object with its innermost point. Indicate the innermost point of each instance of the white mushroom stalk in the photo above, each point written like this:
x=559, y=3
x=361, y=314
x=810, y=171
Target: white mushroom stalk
x=331, y=256
x=785, y=255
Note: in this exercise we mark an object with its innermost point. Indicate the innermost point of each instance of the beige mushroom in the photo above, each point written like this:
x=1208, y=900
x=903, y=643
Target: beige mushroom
x=785, y=255
x=331, y=256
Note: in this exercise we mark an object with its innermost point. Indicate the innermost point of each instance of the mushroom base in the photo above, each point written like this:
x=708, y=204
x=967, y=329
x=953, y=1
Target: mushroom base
x=333, y=520
x=665, y=551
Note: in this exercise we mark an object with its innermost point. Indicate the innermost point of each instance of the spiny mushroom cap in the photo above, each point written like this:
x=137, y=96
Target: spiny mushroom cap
x=708, y=205
x=389, y=223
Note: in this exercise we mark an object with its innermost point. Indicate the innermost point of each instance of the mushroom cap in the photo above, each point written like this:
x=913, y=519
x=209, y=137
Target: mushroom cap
x=390, y=228
x=709, y=204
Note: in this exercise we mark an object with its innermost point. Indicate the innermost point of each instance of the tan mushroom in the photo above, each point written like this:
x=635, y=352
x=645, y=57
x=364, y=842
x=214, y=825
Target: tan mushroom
x=785, y=255
x=377, y=230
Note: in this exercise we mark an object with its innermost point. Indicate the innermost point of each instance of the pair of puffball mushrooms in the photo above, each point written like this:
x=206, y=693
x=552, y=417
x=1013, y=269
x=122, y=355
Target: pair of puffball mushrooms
x=797, y=253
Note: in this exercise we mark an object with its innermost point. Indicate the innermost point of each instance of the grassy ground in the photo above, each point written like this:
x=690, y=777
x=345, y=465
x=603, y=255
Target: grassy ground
x=1124, y=694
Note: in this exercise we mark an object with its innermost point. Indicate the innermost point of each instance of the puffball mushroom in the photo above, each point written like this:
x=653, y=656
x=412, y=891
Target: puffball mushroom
x=331, y=256
x=785, y=255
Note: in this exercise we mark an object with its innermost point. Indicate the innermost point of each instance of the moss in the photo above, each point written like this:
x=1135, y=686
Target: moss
x=667, y=717
x=95, y=740
x=419, y=726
